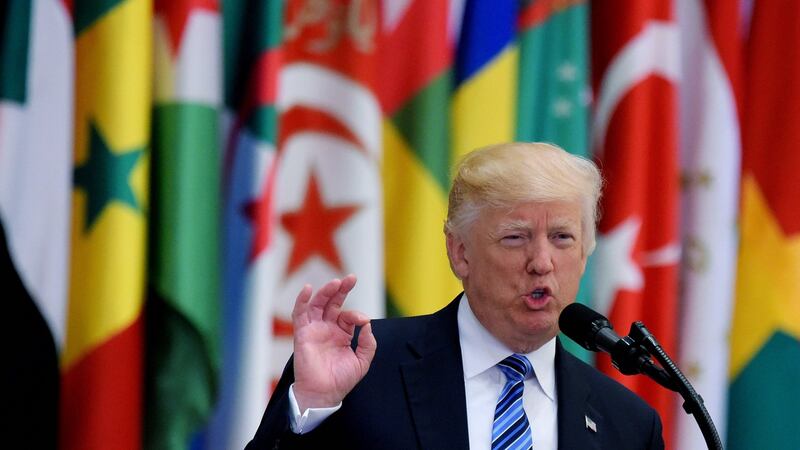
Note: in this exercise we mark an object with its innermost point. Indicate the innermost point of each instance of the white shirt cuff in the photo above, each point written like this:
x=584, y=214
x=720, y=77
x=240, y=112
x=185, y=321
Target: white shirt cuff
x=310, y=418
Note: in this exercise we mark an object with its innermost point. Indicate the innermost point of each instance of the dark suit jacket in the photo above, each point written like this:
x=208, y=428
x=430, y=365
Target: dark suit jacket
x=413, y=397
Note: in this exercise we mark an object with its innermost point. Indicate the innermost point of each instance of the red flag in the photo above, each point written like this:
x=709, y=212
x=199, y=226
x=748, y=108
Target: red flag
x=635, y=57
x=765, y=335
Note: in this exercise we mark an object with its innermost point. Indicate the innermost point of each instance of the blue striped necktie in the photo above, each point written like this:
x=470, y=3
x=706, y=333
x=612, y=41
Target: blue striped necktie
x=511, y=429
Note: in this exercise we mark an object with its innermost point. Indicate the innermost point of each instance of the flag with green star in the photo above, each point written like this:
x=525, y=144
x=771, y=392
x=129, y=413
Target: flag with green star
x=104, y=177
x=102, y=357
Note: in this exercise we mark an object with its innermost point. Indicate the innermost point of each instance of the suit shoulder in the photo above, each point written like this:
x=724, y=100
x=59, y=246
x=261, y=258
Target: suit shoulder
x=397, y=331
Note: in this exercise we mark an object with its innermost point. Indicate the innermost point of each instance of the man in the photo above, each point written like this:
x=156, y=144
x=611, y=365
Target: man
x=487, y=371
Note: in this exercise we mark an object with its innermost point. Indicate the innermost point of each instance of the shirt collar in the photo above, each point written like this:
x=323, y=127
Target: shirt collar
x=481, y=351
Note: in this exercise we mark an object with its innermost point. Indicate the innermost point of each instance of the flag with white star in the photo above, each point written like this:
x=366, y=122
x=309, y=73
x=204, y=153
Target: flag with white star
x=635, y=138
x=554, y=92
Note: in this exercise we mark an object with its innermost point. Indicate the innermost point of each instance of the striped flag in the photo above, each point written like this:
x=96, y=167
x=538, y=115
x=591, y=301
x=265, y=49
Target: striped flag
x=252, y=52
x=102, y=357
x=553, y=99
x=415, y=94
x=634, y=135
x=710, y=153
x=765, y=337
x=182, y=314
x=36, y=85
x=484, y=101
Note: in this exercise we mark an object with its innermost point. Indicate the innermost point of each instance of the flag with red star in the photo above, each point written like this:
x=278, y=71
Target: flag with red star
x=326, y=183
x=635, y=60
x=252, y=53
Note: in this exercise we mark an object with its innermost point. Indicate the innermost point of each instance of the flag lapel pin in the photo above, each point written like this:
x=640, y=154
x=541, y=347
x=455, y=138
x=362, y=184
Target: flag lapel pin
x=590, y=424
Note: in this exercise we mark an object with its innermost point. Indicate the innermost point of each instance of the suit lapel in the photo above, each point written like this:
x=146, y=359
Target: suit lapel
x=578, y=422
x=434, y=384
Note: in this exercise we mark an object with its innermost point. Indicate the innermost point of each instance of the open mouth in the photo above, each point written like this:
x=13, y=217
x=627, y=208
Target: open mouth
x=539, y=293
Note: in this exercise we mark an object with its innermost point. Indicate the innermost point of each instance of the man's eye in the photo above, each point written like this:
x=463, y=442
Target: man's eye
x=513, y=239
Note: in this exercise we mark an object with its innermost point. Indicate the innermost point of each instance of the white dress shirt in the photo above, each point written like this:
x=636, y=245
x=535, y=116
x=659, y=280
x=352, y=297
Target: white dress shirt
x=483, y=381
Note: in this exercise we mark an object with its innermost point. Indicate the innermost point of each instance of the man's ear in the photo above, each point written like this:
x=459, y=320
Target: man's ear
x=456, y=253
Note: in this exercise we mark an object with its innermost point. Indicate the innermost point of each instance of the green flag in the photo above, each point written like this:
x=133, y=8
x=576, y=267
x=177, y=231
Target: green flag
x=553, y=102
x=183, y=307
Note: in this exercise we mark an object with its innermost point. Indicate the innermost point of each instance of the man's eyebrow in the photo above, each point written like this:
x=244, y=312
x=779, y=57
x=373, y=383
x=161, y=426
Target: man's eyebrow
x=509, y=227
x=514, y=225
x=564, y=223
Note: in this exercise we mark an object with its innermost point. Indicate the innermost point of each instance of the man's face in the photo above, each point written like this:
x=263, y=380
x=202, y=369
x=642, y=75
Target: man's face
x=520, y=268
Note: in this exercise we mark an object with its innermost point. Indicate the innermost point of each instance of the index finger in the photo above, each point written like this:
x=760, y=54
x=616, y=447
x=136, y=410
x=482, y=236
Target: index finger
x=334, y=305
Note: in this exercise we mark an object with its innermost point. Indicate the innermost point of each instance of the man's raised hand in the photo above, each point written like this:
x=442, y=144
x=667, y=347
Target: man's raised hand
x=326, y=368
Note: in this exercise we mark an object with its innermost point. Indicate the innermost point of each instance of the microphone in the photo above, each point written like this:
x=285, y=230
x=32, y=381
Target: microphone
x=631, y=355
x=592, y=331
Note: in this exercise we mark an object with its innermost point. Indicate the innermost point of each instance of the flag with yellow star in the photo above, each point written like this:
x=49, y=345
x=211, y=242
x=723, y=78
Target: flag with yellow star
x=102, y=356
x=765, y=336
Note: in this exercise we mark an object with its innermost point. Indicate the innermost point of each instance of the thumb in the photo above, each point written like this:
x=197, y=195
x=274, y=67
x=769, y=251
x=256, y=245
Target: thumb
x=367, y=345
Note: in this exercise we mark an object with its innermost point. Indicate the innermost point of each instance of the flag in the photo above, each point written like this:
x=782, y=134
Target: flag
x=35, y=175
x=634, y=136
x=765, y=347
x=710, y=156
x=102, y=357
x=416, y=56
x=484, y=101
x=327, y=200
x=252, y=57
x=182, y=312
x=553, y=99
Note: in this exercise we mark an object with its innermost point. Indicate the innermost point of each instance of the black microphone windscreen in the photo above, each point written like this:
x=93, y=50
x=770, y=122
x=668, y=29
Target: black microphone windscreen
x=577, y=322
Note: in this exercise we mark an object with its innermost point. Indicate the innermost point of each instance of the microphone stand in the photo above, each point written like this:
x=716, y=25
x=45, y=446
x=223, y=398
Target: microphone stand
x=693, y=403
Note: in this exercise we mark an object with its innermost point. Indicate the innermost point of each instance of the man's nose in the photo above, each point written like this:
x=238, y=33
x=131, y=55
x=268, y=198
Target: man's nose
x=540, y=258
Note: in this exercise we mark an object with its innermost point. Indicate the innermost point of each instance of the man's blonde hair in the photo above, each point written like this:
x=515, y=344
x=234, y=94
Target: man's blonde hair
x=505, y=175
